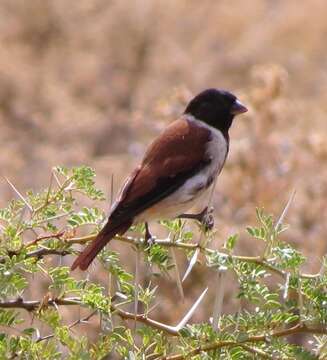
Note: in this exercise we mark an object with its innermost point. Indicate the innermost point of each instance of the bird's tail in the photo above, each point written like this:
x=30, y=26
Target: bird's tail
x=105, y=235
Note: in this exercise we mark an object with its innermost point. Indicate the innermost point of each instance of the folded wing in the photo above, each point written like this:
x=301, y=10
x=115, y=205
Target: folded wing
x=175, y=156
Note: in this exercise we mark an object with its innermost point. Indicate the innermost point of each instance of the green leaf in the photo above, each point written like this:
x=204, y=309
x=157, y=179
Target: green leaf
x=87, y=216
x=29, y=331
x=231, y=242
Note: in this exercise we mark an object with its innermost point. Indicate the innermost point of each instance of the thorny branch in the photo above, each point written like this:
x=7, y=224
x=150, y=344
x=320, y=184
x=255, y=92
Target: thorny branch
x=39, y=253
x=163, y=242
x=297, y=329
x=58, y=235
x=33, y=305
x=60, y=190
x=76, y=322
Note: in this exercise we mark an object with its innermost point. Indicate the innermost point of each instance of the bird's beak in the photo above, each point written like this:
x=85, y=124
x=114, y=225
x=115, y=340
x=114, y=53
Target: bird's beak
x=238, y=108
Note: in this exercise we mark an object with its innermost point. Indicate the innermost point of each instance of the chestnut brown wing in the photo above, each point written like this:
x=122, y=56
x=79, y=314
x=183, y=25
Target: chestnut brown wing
x=175, y=156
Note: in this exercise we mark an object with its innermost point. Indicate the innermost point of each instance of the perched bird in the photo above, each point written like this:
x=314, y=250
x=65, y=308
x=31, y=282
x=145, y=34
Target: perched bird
x=177, y=169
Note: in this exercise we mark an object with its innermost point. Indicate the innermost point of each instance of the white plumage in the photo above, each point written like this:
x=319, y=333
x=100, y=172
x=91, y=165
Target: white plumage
x=195, y=189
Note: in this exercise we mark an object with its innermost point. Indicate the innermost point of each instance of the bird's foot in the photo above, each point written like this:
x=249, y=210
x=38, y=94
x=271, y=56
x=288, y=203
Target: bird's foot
x=205, y=217
x=149, y=240
x=208, y=220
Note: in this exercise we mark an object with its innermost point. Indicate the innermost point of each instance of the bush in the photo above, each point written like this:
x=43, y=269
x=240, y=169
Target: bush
x=38, y=227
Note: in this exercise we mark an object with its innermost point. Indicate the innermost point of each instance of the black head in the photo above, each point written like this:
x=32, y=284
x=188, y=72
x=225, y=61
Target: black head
x=215, y=107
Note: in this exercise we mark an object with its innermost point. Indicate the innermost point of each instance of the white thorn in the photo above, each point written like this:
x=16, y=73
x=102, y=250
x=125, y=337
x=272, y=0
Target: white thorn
x=178, y=276
x=287, y=282
x=18, y=193
x=191, y=264
x=219, y=298
x=136, y=283
x=190, y=313
x=202, y=237
x=283, y=214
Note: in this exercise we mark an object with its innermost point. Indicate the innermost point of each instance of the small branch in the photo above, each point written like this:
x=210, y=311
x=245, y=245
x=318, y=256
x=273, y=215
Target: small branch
x=81, y=240
x=256, y=351
x=198, y=350
x=61, y=189
x=299, y=328
x=162, y=242
x=145, y=320
x=40, y=253
x=78, y=321
x=56, y=217
x=32, y=305
x=43, y=206
x=45, y=237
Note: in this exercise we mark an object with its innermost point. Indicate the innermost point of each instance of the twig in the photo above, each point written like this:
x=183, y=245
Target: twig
x=56, y=217
x=45, y=237
x=32, y=305
x=168, y=243
x=299, y=328
x=257, y=352
x=40, y=253
x=78, y=321
x=46, y=202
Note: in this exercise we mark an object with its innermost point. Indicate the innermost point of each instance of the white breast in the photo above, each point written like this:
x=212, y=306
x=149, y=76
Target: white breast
x=216, y=151
x=194, y=189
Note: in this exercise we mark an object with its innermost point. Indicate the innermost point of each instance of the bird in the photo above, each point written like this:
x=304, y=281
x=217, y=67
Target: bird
x=177, y=170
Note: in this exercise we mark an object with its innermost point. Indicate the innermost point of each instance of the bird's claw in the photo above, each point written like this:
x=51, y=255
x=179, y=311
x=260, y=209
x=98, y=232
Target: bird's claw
x=149, y=240
x=205, y=217
x=208, y=220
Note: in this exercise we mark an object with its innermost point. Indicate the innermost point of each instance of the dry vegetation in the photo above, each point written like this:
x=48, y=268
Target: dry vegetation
x=91, y=82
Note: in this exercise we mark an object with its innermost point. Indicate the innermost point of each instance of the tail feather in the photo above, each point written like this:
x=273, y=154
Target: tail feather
x=91, y=251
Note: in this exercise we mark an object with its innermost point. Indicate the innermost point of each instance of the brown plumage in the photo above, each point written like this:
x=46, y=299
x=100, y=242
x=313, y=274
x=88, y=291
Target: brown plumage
x=177, y=169
x=167, y=164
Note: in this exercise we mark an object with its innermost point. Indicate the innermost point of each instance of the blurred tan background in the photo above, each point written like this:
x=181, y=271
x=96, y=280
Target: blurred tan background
x=92, y=82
